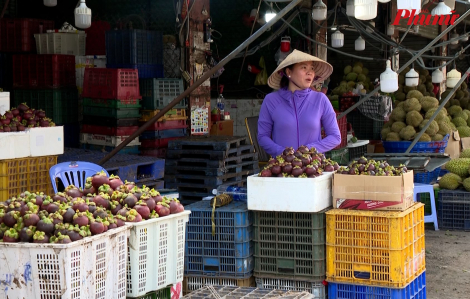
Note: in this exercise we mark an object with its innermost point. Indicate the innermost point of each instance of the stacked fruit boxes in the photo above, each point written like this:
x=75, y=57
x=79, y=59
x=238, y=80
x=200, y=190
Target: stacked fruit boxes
x=219, y=247
x=47, y=82
x=156, y=94
x=372, y=253
x=110, y=109
x=290, y=251
x=136, y=49
x=197, y=165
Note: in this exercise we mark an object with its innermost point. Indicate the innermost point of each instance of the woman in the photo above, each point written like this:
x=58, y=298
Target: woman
x=295, y=114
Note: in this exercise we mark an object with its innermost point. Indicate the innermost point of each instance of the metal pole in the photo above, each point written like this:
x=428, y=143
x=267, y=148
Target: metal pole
x=437, y=111
x=462, y=17
x=251, y=32
x=201, y=80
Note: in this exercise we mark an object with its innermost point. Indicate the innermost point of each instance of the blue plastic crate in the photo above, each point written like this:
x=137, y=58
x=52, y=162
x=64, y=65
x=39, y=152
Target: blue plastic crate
x=145, y=70
x=72, y=135
x=453, y=210
x=427, y=177
x=222, y=233
x=420, y=147
x=216, y=249
x=164, y=134
x=443, y=172
x=235, y=214
x=415, y=290
x=219, y=266
x=134, y=47
x=130, y=150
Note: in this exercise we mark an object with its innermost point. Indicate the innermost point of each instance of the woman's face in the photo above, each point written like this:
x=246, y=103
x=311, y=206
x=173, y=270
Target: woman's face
x=302, y=74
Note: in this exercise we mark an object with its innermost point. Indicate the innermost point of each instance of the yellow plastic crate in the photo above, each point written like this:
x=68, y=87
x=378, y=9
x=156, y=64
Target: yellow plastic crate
x=377, y=248
x=25, y=174
x=173, y=114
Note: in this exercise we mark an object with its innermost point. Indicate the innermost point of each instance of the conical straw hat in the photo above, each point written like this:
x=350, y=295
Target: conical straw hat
x=322, y=68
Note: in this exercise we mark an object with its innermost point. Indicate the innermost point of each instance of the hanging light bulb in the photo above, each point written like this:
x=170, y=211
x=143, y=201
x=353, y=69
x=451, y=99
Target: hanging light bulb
x=388, y=79
x=441, y=9
x=50, y=3
x=450, y=3
x=452, y=78
x=464, y=38
x=270, y=14
x=409, y=5
x=360, y=44
x=365, y=9
x=456, y=36
x=337, y=39
x=371, y=27
x=412, y=78
x=82, y=16
x=350, y=8
x=390, y=29
x=437, y=76
x=319, y=11
x=384, y=1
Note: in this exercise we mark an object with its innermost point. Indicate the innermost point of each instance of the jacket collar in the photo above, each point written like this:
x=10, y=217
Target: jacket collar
x=299, y=95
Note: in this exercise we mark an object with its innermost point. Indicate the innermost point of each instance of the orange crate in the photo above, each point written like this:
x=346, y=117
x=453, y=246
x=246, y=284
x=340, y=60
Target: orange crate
x=173, y=114
x=377, y=248
x=25, y=174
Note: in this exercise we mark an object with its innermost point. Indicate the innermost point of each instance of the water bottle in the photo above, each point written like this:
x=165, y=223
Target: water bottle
x=221, y=103
x=237, y=193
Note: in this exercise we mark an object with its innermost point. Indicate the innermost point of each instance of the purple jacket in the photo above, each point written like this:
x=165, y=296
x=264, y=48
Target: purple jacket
x=294, y=119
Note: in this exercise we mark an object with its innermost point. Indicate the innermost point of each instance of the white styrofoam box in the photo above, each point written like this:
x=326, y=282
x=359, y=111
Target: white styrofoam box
x=82, y=62
x=156, y=253
x=308, y=195
x=69, y=43
x=94, y=267
x=4, y=102
x=14, y=145
x=46, y=141
x=106, y=140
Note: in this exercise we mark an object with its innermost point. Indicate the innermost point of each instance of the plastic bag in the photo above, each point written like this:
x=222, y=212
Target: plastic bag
x=262, y=77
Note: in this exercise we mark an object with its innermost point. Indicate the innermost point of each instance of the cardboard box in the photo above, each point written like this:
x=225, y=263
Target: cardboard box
x=453, y=145
x=222, y=128
x=364, y=192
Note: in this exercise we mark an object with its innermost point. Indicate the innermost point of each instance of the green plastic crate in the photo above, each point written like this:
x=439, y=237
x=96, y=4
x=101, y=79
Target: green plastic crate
x=426, y=199
x=61, y=105
x=290, y=245
x=340, y=156
x=108, y=103
x=160, y=294
x=111, y=112
x=158, y=93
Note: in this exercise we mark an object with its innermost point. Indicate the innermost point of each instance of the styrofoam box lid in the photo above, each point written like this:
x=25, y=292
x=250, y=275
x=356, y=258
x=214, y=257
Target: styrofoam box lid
x=358, y=143
x=4, y=102
x=46, y=141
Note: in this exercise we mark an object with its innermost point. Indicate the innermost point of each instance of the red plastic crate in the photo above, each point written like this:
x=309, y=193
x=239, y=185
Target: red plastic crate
x=110, y=131
x=96, y=38
x=343, y=129
x=167, y=124
x=120, y=84
x=156, y=143
x=157, y=152
x=43, y=71
x=17, y=35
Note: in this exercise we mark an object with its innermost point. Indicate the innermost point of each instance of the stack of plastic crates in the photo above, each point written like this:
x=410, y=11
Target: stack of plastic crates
x=47, y=82
x=136, y=49
x=111, y=103
x=219, y=247
x=156, y=95
x=290, y=251
x=376, y=254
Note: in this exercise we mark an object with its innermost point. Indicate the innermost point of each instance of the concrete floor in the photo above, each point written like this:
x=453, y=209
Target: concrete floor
x=447, y=264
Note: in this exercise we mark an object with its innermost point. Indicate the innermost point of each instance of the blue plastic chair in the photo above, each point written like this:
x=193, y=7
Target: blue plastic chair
x=73, y=173
x=426, y=188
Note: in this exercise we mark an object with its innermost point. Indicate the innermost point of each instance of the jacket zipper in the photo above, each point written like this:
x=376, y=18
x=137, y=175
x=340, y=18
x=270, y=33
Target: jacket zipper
x=297, y=121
